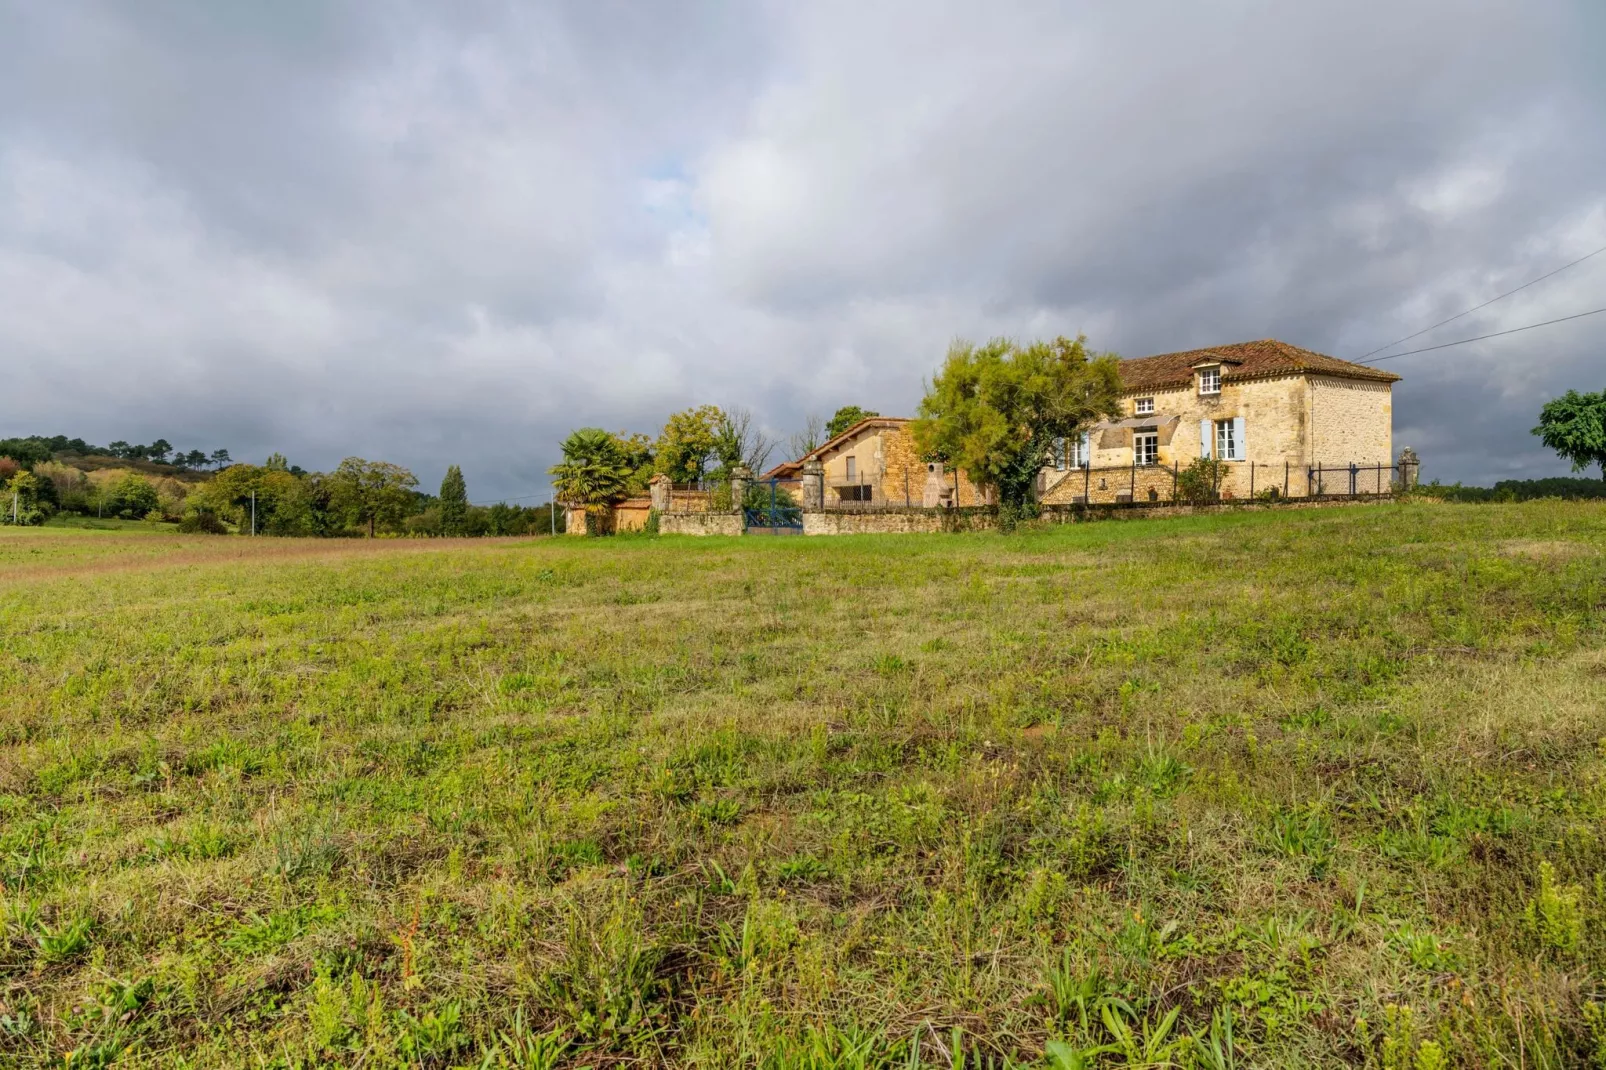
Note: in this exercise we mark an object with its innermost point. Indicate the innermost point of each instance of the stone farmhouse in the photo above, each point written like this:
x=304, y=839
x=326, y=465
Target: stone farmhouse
x=1279, y=417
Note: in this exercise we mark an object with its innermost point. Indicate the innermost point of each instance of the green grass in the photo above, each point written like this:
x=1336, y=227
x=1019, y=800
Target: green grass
x=1302, y=788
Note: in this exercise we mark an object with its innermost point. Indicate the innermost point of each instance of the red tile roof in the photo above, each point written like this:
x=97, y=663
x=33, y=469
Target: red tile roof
x=868, y=421
x=1241, y=360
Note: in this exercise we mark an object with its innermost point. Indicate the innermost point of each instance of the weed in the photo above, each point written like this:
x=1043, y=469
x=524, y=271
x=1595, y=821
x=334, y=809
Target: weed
x=1554, y=916
x=65, y=942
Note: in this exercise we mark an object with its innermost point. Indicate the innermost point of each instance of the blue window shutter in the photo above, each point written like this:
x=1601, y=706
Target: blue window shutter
x=1239, y=444
x=1205, y=431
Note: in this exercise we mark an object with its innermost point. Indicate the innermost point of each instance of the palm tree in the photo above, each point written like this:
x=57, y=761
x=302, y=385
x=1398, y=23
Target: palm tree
x=594, y=471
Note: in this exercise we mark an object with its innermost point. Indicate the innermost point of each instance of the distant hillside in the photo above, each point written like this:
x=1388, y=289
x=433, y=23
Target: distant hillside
x=96, y=462
x=157, y=459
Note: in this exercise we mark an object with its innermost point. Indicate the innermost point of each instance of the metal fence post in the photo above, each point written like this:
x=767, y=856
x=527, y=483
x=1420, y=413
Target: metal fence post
x=1251, y=480
x=1087, y=483
x=1285, y=479
x=1352, y=473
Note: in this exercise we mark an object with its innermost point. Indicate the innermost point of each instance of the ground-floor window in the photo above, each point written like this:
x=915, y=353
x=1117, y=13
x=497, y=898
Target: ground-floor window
x=1146, y=447
x=1226, y=441
x=858, y=493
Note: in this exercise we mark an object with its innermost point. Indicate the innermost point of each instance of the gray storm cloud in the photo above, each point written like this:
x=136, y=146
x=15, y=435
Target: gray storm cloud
x=449, y=233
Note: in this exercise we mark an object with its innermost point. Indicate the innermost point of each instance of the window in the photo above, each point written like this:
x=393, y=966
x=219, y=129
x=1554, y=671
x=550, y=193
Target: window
x=1060, y=457
x=852, y=468
x=1210, y=380
x=1146, y=447
x=860, y=493
x=1228, y=448
x=1076, y=451
x=1144, y=406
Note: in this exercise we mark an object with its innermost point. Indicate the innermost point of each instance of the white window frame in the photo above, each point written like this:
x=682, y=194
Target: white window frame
x=1145, y=448
x=1228, y=448
x=1075, y=455
x=1210, y=380
x=1143, y=406
x=850, y=464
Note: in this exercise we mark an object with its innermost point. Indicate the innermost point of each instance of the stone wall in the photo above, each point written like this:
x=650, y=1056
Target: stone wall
x=700, y=524
x=885, y=521
x=1352, y=421
x=899, y=521
x=686, y=500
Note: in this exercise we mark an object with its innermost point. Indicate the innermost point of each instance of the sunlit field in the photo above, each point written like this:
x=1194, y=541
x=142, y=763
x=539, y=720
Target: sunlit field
x=1301, y=788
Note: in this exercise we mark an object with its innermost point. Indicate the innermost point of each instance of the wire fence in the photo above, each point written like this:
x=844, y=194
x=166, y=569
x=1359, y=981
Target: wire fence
x=1224, y=481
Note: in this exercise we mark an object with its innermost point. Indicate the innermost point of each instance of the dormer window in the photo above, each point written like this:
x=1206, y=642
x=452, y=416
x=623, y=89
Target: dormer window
x=1144, y=406
x=1210, y=380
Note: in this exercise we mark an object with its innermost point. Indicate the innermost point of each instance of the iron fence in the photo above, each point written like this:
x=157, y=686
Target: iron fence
x=1139, y=485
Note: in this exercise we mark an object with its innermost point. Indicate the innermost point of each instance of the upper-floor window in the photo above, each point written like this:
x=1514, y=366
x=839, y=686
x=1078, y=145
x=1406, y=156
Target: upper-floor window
x=1146, y=448
x=1077, y=450
x=1144, y=406
x=853, y=467
x=1210, y=380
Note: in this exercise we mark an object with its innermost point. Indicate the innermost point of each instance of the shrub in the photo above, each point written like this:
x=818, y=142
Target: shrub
x=1554, y=917
x=202, y=522
x=1198, y=483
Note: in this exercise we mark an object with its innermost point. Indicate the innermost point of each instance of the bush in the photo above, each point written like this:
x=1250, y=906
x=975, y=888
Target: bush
x=1197, y=484
x=132, y=497
x=202, y=522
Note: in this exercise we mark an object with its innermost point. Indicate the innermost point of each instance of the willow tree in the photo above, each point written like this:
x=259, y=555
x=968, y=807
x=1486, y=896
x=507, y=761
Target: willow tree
x=994, y=411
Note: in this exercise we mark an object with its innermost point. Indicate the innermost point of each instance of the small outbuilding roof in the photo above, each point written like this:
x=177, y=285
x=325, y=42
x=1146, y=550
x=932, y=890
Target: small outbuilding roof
x=863, y=425
x=1241, y=360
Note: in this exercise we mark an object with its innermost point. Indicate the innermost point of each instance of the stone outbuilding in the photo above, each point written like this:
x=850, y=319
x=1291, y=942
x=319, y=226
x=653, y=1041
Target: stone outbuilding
x=876, y=463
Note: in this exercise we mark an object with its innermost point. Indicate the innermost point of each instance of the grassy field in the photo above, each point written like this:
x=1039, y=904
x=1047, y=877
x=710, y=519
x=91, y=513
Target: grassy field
x=1305, y=788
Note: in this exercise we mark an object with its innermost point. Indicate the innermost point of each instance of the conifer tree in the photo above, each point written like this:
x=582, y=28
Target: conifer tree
x=454, y=501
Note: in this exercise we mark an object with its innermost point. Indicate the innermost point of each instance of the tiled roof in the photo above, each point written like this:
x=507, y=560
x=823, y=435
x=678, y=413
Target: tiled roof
x=868, y=421
x=1241, y=360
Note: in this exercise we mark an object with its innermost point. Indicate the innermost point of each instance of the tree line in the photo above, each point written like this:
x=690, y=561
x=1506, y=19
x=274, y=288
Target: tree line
x=34, y=448
x=359, y=497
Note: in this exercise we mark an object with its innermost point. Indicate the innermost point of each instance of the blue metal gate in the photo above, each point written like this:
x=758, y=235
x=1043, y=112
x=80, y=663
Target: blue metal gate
x=779, y=516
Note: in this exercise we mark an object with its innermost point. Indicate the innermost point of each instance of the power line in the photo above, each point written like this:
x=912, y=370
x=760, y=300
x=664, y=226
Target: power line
x=504, y=501
x=1481, y=337
x=1486, y=304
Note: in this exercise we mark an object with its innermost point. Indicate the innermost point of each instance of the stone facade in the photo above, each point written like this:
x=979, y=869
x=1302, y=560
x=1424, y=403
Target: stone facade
x=704, y=523
x=876, y=463
x=1285, y=411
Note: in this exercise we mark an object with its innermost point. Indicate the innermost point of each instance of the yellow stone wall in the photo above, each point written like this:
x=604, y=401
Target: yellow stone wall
x=888, y=460
x=1352, y=420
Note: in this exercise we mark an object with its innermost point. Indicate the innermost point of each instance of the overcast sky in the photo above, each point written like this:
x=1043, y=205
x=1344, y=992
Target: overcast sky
x=449, y=232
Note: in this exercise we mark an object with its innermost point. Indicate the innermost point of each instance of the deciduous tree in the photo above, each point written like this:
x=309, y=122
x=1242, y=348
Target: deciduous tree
x=371, y=493
x=1574, y=425
x=804, y=442
x=844, y=418
x=739, y=441
x=995, y=410
x=686, y=444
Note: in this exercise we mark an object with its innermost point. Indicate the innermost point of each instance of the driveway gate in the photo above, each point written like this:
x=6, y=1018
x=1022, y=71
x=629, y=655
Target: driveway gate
x=776, y=517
